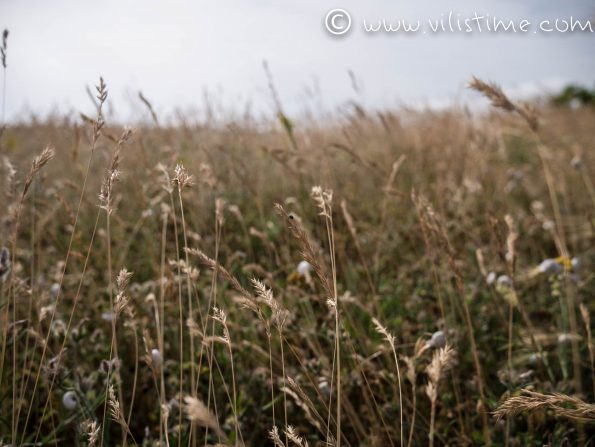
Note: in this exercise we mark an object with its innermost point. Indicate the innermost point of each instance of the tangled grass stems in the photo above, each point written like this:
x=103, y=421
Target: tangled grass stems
x=97, y=127
x=499, y=100
x=38, y=163
x=435, y=225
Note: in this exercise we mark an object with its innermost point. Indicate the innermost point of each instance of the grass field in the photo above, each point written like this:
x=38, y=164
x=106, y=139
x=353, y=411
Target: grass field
x=379, y=278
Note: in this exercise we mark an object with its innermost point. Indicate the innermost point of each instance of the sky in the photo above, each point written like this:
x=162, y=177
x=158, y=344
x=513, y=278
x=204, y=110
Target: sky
x=184, y=54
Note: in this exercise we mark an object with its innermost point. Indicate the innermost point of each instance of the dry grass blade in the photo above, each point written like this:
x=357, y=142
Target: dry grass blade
x=149, y=106
x=303, y=401
x=214, y=265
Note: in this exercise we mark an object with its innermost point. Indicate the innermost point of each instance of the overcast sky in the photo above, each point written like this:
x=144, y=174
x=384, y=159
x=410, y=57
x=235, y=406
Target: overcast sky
x=176, y=50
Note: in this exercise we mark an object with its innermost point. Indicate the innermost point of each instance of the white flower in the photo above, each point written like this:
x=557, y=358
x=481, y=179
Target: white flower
x=550, y=267
x=491, y=278
x=548, y=225
x=55, y=290
x=323, y=386
x=437, y=340
x=147, y=213
x=69, y=400
x=576, y=162
x=156, y=358
x=504, y=280
x=304, y=268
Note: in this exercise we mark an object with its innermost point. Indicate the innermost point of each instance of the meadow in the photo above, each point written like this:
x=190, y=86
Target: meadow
x=400, y=277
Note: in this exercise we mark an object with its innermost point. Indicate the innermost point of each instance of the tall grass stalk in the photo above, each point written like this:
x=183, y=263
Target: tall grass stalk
x=97, y=127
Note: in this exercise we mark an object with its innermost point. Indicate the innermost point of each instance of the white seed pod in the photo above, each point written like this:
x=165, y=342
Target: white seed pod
x=69, y=400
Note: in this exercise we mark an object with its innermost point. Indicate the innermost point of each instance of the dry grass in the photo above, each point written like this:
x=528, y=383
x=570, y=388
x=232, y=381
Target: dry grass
x=560, y=404
x=142, y=269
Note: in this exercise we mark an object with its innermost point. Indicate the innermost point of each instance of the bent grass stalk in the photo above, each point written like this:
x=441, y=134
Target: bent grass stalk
x=390, y=339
